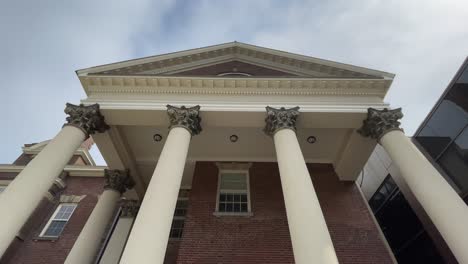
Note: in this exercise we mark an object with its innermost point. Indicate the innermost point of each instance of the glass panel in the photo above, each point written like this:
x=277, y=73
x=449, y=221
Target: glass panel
x=398, y=221
x=177, y=228
x=65, y=212
x=387, y=187
x=233, y=181
x=2, y=188
x=184, y=193
x=55, y=228
x=455, y=161
x=235, y=203
x=244, y=207
x=445, y=124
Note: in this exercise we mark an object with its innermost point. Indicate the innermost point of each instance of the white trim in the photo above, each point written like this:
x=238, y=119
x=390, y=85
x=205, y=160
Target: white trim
x=51, y=219
x=234, y=73
x=221, y=170
x=82, y=152
x=73, y=170
x=147, y=85
x=234, y=50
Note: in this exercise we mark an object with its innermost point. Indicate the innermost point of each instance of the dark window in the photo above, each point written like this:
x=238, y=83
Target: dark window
x=401, y=226
x=454, y=161
x=233, y=202
x=180, y=213
x=442, y=128
x=386, y=189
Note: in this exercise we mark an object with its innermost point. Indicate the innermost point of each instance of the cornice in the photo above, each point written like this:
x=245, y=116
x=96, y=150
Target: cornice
x=73, y=170
x=233, y=86
x=83, y=152
x=164, y=64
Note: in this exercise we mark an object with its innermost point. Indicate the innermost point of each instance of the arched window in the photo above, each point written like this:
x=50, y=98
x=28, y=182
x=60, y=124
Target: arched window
x=234, y=74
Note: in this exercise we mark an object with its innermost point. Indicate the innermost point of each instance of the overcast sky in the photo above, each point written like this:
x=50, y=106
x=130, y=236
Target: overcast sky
x=43, y=42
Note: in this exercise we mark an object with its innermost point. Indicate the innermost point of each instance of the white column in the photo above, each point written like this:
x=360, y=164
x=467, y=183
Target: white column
x=25, y=192
x=441, y=202
x=116, y=244
x=309, y=233
x=88, y=242
x=148, y=239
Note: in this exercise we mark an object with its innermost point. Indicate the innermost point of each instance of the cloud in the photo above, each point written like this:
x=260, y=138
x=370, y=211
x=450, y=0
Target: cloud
x=423, y=42
x=43, y=43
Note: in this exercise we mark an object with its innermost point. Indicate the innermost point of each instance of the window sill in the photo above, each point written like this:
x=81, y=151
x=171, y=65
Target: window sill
x=219, y=214
x=51, y=239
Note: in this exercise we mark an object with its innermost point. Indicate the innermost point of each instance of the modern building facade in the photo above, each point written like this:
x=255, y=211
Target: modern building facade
x=234, y=154
x=442, y=138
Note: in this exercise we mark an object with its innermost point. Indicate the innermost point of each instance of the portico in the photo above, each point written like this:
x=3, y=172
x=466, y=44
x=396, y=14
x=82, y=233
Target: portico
x=152, y=121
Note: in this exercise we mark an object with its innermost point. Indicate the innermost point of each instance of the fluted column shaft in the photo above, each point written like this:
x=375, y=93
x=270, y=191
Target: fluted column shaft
x=441, y=202
x=148, y=239
x=88, y=242
x=309, y=233
x=27, y=189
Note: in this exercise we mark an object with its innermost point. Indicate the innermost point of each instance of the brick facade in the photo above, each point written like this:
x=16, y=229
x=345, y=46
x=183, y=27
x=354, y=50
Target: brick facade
x=261, y=238
x=264, y=237
x=31, y=249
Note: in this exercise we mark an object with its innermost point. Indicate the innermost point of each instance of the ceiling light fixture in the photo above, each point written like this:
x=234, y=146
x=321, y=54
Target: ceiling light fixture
x=311, y=139
x=233, y=138
x=157, y=137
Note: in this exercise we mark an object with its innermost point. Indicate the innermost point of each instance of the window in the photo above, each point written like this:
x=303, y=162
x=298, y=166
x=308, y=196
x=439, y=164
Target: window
x=233, y=192
x=2, y=188
x=383, y=193
x=58, y=220
x=234, y=74
x=180, y=213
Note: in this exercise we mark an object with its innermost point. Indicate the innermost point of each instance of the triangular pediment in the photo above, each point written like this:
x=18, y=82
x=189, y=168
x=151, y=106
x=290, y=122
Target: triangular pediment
x=234, y=68
x=229, y=58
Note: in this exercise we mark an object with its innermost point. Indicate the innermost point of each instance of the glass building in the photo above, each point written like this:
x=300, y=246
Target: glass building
x=444, y=134
x=443, y=139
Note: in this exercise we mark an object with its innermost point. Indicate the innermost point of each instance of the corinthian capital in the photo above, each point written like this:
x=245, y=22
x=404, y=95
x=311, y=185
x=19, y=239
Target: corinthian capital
x=379, y=122
x=118, y=180
x=280, y=119
x=129, y=208
x=87, y=118
x=187, y=118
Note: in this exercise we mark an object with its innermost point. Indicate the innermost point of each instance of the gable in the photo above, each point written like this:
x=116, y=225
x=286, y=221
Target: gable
x=261, y=61
x=233, y=67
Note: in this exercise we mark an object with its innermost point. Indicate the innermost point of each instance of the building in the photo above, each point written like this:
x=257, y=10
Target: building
x=443, y=139
x=43, y=235
x=235, y=154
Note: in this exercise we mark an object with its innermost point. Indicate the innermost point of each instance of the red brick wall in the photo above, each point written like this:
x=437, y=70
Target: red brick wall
x=355, y=236
x=30, y=250
x=264, y=237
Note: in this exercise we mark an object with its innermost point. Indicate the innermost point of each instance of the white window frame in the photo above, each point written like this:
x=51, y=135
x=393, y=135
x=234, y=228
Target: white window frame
x=57, y=210
x=247, y=178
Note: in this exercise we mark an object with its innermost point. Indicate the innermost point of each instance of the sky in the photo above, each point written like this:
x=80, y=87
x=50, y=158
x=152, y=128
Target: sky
x=44, y=42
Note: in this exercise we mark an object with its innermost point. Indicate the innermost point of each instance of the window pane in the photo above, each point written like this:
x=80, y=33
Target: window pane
x=382, y=194
x=177, y=228
x=236, y=203
x=55, y=228
x=444, y=125
x=65, y=212
x=455, y=161
x=2, y=188
x=244, y=207
x=233, y=181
